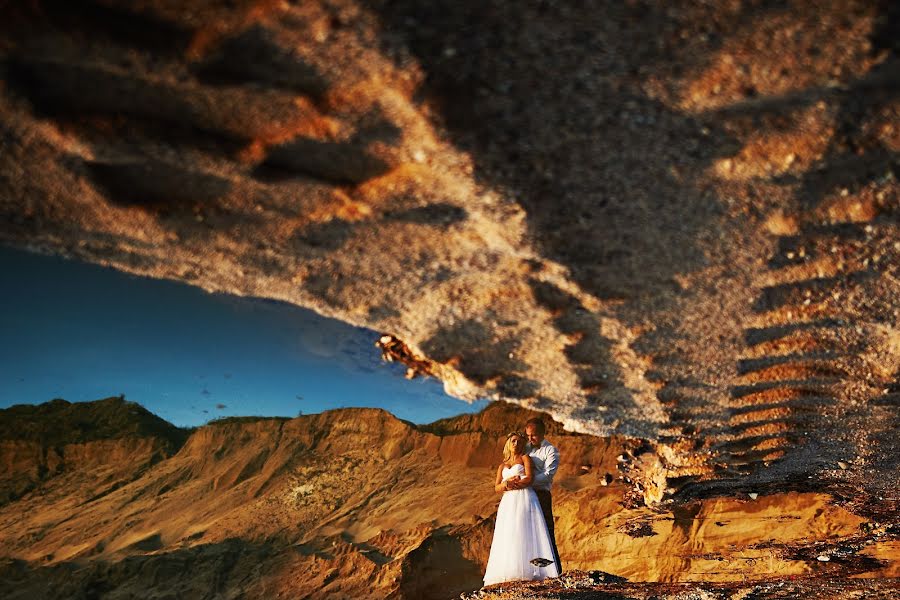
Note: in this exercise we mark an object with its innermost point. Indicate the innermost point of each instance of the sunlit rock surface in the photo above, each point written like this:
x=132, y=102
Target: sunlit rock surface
x=675, y=221
x=355, y=503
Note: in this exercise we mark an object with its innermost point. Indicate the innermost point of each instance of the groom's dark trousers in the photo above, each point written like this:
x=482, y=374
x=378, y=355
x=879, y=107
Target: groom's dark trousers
x=546, y=501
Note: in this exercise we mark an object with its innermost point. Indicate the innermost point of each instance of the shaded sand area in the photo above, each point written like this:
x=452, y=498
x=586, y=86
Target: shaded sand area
x=104, y=499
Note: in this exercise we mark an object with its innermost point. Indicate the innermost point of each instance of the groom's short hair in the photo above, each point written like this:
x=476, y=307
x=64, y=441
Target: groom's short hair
x=538, y=425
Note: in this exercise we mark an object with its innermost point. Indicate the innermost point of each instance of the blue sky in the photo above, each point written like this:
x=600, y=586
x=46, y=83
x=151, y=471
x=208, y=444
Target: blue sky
x=82, y=332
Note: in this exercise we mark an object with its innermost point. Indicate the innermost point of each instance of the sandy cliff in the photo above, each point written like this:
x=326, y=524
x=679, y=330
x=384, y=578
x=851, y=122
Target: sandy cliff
x=356, y=503
x=108, y=441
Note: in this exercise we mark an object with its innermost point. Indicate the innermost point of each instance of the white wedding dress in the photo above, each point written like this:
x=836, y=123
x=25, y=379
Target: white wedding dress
x=520, y=536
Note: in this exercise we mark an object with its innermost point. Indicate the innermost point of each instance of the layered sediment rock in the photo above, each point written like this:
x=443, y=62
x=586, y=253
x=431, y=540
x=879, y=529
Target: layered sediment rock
x=109, y=441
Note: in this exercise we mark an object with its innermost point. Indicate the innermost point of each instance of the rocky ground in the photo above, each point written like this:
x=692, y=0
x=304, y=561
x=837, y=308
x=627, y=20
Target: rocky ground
x=671, y=221
x=591, y=586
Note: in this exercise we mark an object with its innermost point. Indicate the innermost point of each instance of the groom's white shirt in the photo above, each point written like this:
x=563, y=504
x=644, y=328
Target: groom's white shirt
x=546, y=460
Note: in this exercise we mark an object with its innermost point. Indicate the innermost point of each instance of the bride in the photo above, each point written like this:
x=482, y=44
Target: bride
x=521, y=548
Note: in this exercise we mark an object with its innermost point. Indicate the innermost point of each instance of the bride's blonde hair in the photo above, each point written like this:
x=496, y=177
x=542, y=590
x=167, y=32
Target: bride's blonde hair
x=509, y=448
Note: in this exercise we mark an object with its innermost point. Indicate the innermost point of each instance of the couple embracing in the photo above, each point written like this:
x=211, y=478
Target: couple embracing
x=524, y=545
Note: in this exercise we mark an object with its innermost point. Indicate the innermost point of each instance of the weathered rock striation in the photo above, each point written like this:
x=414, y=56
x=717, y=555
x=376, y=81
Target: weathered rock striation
x=673, y=221
x=110, y=441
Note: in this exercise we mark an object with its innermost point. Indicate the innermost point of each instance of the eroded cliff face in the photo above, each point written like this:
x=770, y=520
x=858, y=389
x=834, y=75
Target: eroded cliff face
x=670, y=221
x=108, y=443
x=357, y=504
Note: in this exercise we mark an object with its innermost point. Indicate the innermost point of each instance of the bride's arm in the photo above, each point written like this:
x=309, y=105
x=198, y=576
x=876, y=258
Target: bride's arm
x=499, y=482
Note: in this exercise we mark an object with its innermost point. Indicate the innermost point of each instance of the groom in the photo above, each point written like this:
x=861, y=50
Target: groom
x=545, y=457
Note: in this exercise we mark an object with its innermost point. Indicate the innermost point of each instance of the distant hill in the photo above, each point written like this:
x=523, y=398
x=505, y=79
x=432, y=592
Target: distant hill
x=498, y=418
x=107, y=441
x=59, y=422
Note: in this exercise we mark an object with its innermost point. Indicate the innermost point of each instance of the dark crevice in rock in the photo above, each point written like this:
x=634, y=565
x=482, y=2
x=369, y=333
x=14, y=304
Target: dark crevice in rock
x=254, y=57
x=157, y=186
x=339, y=162
x=438, y=214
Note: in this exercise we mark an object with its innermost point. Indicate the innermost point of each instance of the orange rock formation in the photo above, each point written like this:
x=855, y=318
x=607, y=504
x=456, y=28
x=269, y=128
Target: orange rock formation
x=355, y=503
